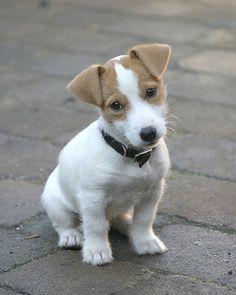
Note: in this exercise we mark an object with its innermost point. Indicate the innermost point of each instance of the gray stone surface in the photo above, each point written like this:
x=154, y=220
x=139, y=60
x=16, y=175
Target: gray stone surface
x=63, y=273
x=19, y=201
x=200, y=199
x=10, y=76
x=199, y=117
x=199, y=154
x=215, y=61
x=176, y=285
x=201, y=87
x=49, y=92
x=7, y=291
x=17, y=249
x=193, y=251
x=26, y=159
x=28, y=120
x=44, y=62
x=163, y=28
x=40, y=226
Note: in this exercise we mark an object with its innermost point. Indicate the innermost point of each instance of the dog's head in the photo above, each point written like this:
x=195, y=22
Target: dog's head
x=130, y=92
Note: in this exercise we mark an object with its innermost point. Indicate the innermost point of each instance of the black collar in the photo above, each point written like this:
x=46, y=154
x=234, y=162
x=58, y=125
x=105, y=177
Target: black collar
x=139, y=156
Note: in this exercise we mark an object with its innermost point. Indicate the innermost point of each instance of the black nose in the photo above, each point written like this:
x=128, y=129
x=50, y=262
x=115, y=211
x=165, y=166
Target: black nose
x=148, y=133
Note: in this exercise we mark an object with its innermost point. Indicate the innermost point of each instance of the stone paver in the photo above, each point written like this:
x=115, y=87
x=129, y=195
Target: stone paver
x=44, y=62
x=216, y=61
x=8, y=292
x=199, y=117
x=39, y=226
x=10, y=75
x=163, y=28
x=204, y=87
x=176, y=285
x=39, y=123
x=199, y=154
x=17, y=249
x=193, y=251
x=19, y=201
x=26, y=159
x=44, y=44
x=63, y=273
x=200, y=199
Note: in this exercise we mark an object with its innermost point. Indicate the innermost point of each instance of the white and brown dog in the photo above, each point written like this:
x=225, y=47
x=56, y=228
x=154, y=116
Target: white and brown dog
x=113, y=171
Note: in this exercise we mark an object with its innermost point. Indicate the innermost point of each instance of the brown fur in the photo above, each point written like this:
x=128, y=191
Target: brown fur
x=154, y=57
x=87, y=85
x=110, y=94
x=98, y=85
x=146, y=80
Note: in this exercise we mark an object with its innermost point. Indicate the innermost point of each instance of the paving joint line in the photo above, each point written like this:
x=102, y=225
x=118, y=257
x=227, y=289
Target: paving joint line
x=217, y=25
x=18, y=227
x=174, y=64
x=16, y=265
x=181, y=220
x=189, y=172
x=155, y=272
x=144, y=38
x=197, y=100
x=15, y=290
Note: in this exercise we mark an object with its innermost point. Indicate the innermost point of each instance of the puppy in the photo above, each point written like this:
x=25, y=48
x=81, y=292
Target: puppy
x=112, y=173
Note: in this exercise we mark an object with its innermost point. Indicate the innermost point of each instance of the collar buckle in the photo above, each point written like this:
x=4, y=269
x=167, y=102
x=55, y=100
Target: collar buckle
x=142, y=153
x=124, y=149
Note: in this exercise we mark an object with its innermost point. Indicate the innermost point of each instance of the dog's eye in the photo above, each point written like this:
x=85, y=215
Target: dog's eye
x=150, y=92
x=116, y=106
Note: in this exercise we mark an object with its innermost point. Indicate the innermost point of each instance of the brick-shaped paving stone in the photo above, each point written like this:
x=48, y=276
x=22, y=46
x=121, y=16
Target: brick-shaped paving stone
x=193, y=251
x=200, y=154
x=39, y=122
x=64, y=273
x=200, y=199
x=19, y=201
x=8, y=291
x=199, y=117
x=41, y=62
x=17, y=249
x=40, y=226
x=176, y=285
x=204, y=87
x=26, y=159
x=215, y=61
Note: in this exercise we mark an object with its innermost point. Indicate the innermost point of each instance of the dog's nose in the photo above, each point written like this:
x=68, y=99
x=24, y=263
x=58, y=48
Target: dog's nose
x=148, y=133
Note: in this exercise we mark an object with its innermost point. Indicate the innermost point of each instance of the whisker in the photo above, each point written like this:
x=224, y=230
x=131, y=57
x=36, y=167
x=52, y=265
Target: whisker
x=173, y=116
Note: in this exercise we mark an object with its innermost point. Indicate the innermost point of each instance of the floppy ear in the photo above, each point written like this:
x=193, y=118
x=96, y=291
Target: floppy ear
x=154, y=57
x=87, y=85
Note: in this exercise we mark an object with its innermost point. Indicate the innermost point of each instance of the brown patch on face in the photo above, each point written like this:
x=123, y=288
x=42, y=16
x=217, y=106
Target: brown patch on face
x=111, y=94
x=145, y=81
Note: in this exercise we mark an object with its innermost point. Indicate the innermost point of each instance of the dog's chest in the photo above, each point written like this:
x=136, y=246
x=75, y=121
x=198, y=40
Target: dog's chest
x=130, y=185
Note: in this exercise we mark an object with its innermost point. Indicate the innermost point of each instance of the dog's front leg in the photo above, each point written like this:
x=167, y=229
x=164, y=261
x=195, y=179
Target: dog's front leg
x=96, y=247
x=142, y=235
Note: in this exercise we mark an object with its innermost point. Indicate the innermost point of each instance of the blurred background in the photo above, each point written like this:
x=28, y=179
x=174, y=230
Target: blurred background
x=44, y=44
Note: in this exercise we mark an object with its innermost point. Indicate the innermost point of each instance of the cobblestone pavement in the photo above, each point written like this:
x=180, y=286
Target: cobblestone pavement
x=42, y=46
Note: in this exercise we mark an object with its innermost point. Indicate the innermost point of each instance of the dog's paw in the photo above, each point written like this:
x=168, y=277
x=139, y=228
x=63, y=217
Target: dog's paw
x=70, y=238
x=151, y=245
x=97, y=256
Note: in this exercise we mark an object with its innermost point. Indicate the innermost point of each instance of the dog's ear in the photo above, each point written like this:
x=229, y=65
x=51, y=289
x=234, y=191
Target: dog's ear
x=87, y=85
x=154, y=57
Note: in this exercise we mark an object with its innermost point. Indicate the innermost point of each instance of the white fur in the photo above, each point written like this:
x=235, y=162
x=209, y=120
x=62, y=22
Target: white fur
x=142, y=114
x=94, y=181
x=117, y=58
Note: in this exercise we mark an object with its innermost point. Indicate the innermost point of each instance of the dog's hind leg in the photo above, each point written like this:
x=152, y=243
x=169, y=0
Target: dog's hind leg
x=63, y=219
x=122, y=222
